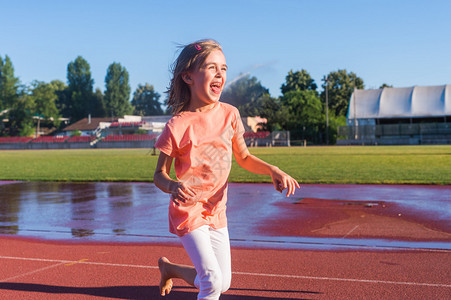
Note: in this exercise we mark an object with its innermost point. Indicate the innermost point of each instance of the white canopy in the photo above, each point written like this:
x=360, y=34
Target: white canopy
x=417, y=101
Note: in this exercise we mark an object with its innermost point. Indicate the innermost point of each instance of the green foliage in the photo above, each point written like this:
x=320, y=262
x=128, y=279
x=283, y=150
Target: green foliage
x=9, y=93
x=27, y=129
x=300, y=99
x=33, y=105
x=244, y=93
x=274, y=112
x=334, y=122
x=304, y=118
x=146, y=101
x=21, y=116
x=79, y=75
x=80, y=88
x=304, y=106
x=79, y=100
x=298, y=81
x=341, y=84
x=141, y=131
x=385, y=85
x=44, y=97
x=76, y=133
x=117, y=91
x=99, y=107
x=9, y=84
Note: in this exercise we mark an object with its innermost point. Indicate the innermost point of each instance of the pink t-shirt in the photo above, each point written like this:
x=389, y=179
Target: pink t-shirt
x=201, y=143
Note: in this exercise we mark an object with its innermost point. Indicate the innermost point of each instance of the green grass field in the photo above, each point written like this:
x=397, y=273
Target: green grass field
x=371, y=165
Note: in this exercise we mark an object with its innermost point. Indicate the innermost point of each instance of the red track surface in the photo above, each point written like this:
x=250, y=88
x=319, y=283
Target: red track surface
x=43, y=269
x=33, y=269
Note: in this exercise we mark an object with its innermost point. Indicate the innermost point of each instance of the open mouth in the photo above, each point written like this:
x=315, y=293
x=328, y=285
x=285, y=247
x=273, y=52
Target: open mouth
x=216, y=87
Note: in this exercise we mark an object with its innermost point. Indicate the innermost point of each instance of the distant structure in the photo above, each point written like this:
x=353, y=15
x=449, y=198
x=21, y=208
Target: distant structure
x=88, y=126
x=398, y=116
x=130, y=132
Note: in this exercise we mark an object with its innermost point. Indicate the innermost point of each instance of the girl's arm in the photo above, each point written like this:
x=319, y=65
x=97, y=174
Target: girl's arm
x=281, y=180
x=179, y=191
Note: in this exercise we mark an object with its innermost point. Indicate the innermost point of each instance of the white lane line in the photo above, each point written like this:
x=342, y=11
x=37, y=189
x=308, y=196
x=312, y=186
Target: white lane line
x=345, y=279
x=78, y=262
x=61, y=262
x=350, y=231
x=31, y=272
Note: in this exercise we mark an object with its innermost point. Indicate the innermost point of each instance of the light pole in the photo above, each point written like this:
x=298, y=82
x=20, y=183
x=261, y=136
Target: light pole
x=327, y=109
x=356, y=135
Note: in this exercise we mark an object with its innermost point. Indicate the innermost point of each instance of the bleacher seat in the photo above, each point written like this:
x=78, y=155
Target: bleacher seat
x=127, y=124
x=50, y=139
x=15, y=139
x=256, y=135
x=129, y=138
x=81, y=139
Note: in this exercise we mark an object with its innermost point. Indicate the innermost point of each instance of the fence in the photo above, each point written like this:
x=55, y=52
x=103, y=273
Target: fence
x=396, y=134
x=267, y=139
x=77, y=142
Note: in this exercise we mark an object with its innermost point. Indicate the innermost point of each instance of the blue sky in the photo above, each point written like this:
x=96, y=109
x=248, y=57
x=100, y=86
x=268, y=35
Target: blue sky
x=402, y=43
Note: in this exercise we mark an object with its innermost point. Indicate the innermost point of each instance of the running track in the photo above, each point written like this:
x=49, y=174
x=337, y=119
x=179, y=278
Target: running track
x=35, y=269
x=309, y=254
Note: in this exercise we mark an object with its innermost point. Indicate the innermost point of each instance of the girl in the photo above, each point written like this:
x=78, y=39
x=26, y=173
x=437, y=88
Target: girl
x=201, y=136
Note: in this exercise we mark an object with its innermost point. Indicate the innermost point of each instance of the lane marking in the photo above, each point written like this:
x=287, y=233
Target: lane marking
x=71, y=262
x=31, y=272
x=74, y=263
x=63, y=262
x=350, y=231
x=297, y=244
x=342, y=245
x=346, y=279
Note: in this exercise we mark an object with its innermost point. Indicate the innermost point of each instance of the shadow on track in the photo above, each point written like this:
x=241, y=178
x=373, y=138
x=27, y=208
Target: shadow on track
x=131, y=292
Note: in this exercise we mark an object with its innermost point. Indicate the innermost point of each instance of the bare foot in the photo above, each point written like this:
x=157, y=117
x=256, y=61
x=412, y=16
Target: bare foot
x=166, y=281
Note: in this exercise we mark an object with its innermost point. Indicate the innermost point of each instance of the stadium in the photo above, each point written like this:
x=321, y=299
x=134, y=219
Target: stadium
x=415, y=115
x=127, y=132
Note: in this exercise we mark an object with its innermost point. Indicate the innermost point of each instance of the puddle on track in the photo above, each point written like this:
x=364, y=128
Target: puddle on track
x=137, y=212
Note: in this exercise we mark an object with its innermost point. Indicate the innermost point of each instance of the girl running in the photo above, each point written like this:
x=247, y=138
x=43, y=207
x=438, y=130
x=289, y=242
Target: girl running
x=201, y=137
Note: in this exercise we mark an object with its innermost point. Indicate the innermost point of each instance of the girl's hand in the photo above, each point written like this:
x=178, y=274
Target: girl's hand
x=182, y=193
x=283, y=181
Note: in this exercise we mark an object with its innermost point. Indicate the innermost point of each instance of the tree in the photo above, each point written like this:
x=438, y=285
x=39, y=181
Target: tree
x=21, y=116
x=9, y=84
x=146, y=101
x=385, y=85
x=334, y=123
x=99, y=109
x=299, y=80
x=340, y=88
x=10, y=92
x=79, y=101
x=117, y=91
x=274, y=112
x=80, y=88
x=44, y=99
x=305, y=114
x=244, y=93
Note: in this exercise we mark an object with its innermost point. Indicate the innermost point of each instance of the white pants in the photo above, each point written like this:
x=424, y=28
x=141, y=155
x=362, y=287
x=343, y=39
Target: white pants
x=209, y=251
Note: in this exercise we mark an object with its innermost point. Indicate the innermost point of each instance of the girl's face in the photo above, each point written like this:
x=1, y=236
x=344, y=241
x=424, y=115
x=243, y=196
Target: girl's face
x=207, y=82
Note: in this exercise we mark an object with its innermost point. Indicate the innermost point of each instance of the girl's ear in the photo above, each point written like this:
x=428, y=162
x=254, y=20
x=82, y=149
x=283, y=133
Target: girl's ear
x=187, y=78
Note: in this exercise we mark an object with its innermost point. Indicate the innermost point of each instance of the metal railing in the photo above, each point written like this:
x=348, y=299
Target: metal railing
x=374, y=132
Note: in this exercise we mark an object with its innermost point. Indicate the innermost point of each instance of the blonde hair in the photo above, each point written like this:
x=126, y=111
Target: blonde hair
x=191, y=57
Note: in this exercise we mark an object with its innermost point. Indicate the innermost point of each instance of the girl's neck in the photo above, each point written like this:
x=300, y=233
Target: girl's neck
x=201, y=107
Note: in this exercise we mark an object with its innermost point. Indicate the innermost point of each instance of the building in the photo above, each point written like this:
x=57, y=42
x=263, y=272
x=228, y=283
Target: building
x=399, y=116
x=88, y=126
